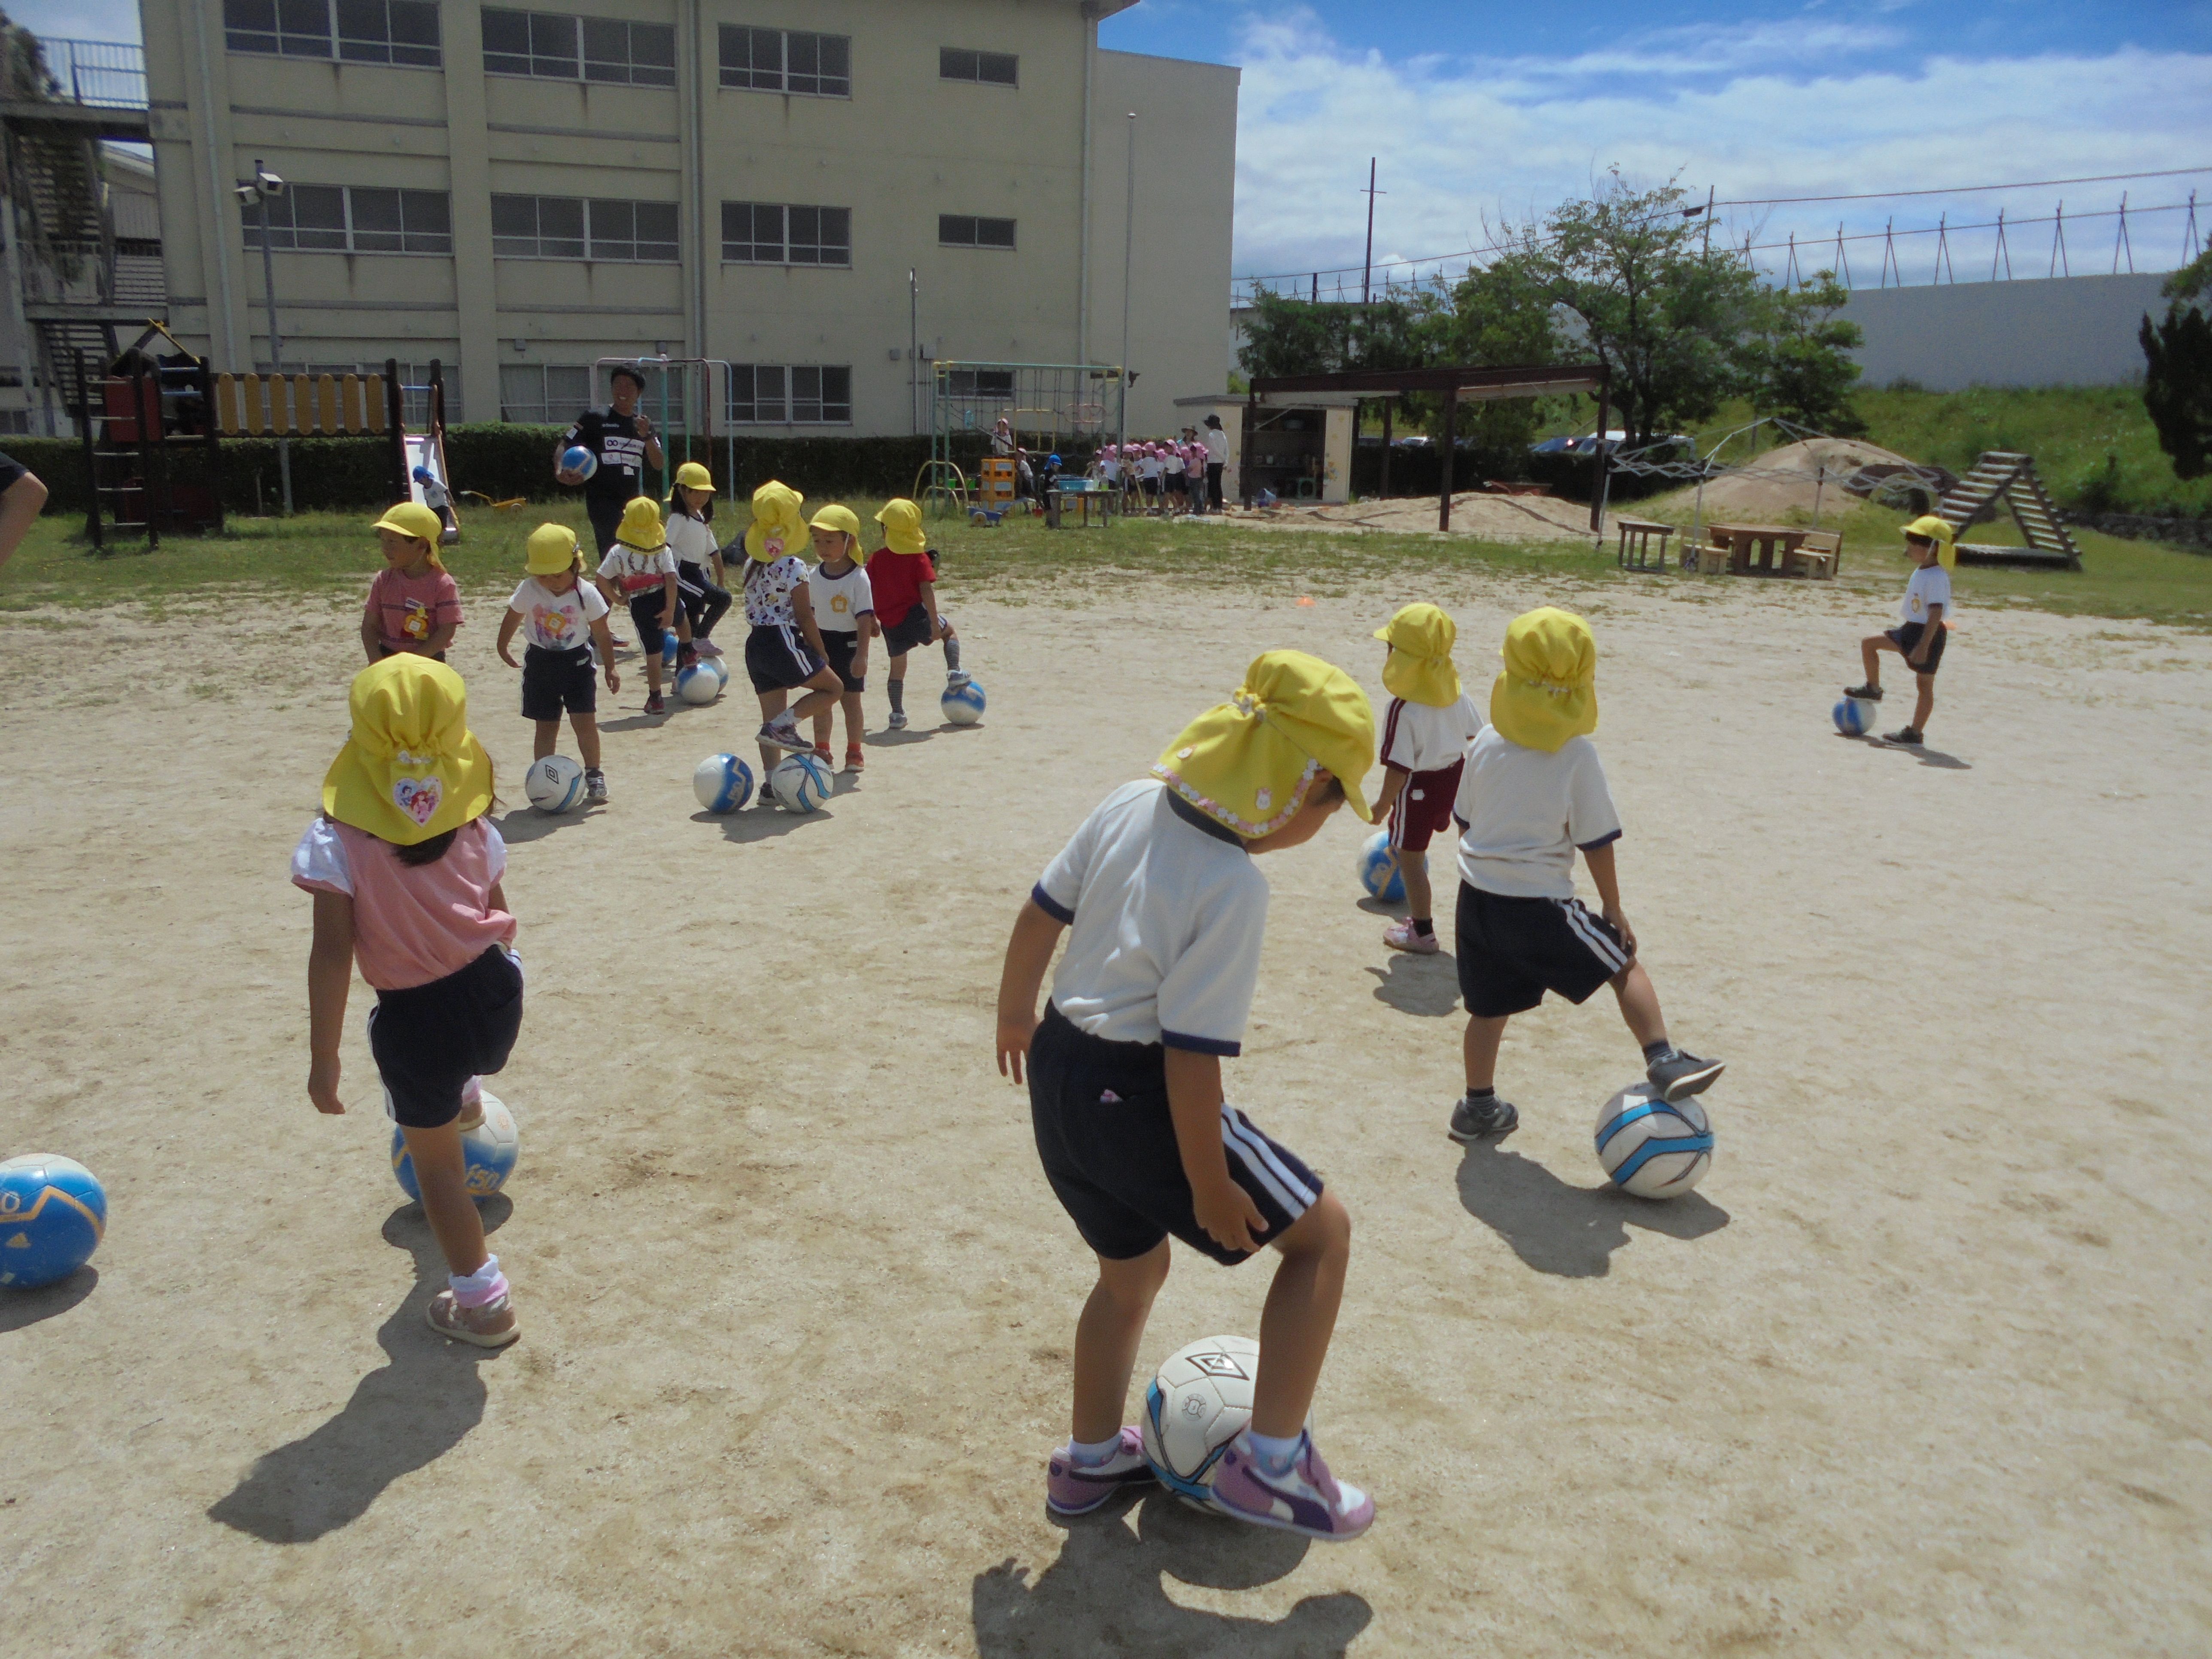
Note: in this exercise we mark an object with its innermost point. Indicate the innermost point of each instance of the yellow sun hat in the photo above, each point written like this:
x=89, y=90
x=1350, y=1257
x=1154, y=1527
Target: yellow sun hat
x=779, y=522
x=413, y=519
x=410, y=767
x=1548, y=691
x=553, y=548
x=1420, y=667
x=902, y=523
x=842, y=520
x=640, y=526
x=692, y=476
x=1250, y=762
x=1929, y=528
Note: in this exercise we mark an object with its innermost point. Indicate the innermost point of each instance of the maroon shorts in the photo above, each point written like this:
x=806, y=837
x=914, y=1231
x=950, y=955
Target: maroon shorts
x=1423, y=808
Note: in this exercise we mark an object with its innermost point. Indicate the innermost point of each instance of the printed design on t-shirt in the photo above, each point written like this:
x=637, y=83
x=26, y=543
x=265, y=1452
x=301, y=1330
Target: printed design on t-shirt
x=552, y=623
x=417, y=623
x=839, y=605
x=418, y=798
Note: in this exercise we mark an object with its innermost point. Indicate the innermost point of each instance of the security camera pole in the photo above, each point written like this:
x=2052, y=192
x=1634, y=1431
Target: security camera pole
x=263, y=180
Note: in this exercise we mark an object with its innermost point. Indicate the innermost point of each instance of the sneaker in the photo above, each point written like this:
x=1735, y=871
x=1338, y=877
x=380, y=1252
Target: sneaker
x=822, y=753
x=492, y=1326
x=784, y=734
x=686, y=655
x=653, y=704
x=855, y=760
x=898, y=720
x=1907, y=735
x=595, y=787
x=1071, y=1488
x=1304, y=1498
x=1681, y=1074
x=1482, y=1119
x=708, y=648
x=956, y=678
x=1864, y=693
x=1400, y=936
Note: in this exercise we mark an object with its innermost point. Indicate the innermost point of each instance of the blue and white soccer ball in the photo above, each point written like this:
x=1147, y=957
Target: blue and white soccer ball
x=1197, y=1401
x=671, y=648
x=697, y=683
x=800, y=782
x=721, y=669
x=723, y=783
x=53, y=1212
x=963, y=704
x=1651, y=1148
x=553, y=784
x=489, y=1152
x=580, y=460
x=1855, y=717
x=1378, y=869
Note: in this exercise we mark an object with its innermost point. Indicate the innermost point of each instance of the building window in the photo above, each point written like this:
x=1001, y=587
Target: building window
x=979, y=382
x=767, y=394
x=555, y=47
x=402, y=32
x=570, y=228
x=543, y=394
x=786, y=60
x=965, y=230
x=355, y=219
x=992, y=69
x=774, y=233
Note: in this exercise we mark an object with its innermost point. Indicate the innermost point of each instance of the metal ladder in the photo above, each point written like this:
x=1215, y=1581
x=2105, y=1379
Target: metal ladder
x=2007, y=475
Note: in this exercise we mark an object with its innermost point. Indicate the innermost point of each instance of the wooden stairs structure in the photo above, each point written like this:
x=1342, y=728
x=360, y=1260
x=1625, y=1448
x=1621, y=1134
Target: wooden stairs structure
x=2002, y=475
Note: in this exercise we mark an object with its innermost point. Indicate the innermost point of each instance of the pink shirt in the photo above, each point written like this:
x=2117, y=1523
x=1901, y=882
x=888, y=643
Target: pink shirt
x=410, y=609
x=410, y=925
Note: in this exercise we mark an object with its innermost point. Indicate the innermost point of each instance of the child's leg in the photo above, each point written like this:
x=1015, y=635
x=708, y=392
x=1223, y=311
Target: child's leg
x=1924, y=705
x=1870, y=650
x=952, y=645
x=1676, y=1074
x=1479, y=1049
x=856, y=720
x=1421, y=901
x=772, y=704
x=1106, y=1339
x=894, y=682
x=442, y=1174
x=824, y=727
x=548, y=739
x=1639, y=1004
x=1300, y=1316
x=587, y=728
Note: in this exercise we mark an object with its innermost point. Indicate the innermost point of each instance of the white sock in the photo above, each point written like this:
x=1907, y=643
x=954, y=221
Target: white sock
x=484, y=1285
x=1090, y=1454
x=1275, y=1453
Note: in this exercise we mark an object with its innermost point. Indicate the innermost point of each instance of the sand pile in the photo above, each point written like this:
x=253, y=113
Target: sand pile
x=1773, y=482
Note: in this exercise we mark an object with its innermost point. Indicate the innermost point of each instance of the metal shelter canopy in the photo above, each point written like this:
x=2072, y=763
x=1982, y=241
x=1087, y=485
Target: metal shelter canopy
x=1465, y=384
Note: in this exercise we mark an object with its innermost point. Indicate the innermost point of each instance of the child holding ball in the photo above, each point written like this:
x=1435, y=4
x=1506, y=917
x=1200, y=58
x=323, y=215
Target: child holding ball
x=642, y=570
x=405, y=867
x=413, y=604
x=903, y=574
x=564, y=615
x=1425, y=732
x=1922, y=621
x=1164, y=912
x=845, y=610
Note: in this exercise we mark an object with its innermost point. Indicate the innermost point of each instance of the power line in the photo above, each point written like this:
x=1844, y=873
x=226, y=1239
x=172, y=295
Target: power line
x=1963, y=190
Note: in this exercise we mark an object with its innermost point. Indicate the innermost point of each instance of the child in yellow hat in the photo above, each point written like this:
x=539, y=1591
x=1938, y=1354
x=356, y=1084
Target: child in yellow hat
x=413, y=604
x=564, y=616
x=1164, y=913
x=1923, y=621
x=405, y=869
x=844, y=608
x=641, y=566
x=785, y=652
x=1425, y=732
x=1532, y=794
x=699, y=574
x=902, y=572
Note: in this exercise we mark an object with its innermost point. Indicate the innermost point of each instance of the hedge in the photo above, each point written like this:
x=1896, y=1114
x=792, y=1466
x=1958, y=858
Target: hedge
x=1420, y=471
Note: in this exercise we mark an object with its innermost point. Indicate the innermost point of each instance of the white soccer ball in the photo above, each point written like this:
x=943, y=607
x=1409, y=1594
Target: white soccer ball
x=720, y=665
x=963, y=705
x=723, y=783
x=553, y=784
x=1195, y=1405
x=800, y=783
x=697, y=683
x=1650, y=1148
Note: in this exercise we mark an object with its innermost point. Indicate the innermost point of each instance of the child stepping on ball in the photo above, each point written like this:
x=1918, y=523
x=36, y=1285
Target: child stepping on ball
x=1922, y=620
x=902, y=574
x=563, y=615
x=845, y=610
x=785, y=652
x=1425, y=732
x=642, y=567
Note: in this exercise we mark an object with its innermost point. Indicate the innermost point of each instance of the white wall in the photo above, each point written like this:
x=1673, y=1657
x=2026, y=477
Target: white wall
x=2066, y=330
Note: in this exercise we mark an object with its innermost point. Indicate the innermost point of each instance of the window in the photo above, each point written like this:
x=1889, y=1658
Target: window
x=788, y=60
x=979, y=382
x=555, y=48
x=355, y=219
x=772, y=233
x=764, y=394
x=402, y=32
x=963, y=230
x=543, y=394
x=567, y=227
x=995, y=69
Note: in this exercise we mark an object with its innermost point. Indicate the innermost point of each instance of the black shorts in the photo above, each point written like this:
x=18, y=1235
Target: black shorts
x=557, y=681
x=842, y=646
x=645, y=613
x=1512, y=951
x=429, y=1040
x=779, y=658
x=908, y=631
x=1175, y=483
x=1906, y=638
x=605, y=513
x=384, y=651
x=1108, y=1143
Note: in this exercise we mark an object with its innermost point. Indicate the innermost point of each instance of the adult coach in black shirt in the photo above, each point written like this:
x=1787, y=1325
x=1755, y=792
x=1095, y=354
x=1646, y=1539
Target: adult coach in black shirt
x=623, y=440
x=22, y=496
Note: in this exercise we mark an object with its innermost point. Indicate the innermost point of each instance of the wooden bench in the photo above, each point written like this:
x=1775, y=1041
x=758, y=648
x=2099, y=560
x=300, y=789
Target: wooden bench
x=1635, y=536
x=1819, y=556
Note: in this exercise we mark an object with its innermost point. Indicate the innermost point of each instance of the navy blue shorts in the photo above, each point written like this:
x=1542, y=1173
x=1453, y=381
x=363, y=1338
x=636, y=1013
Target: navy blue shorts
x=908, y=631
x=779, y=658
x=1108, y=1143
x=1906, y=638
x=555, y=682
x=843, y=647
x=1512, y=951
x=429, y=1040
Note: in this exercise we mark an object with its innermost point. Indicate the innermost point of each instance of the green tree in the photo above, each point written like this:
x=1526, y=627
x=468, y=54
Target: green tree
x=1798, y=359
x=1498, y=316
x=2177, y=378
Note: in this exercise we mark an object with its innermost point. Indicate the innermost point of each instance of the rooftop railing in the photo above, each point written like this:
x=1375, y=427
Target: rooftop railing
x=98, y=74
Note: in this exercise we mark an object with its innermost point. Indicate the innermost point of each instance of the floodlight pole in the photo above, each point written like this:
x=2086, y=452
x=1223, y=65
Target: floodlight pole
x=914, y=350
x=275, y=345
x=1128, y=267
x=1367, y=270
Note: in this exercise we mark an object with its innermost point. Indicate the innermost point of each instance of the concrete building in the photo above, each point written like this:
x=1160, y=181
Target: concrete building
x=519, y=193
x=2062, y=331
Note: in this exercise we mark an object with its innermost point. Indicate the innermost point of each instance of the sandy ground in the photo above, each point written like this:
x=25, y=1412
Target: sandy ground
x=1802, y=476
x=1474, y=512
x=1919, y=1370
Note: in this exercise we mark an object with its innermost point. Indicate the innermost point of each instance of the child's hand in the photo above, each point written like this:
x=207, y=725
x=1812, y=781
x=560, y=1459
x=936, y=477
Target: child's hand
x=1618, y=918
x=323, y=1085
x=1014, y=1034
x=614, y=679
x=1228, y=1215
x=506, y=658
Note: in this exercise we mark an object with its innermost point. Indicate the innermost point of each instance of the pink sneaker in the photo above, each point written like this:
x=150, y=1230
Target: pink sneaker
x=1304, y=1498
x=1400, y=936
x=1072, y=1488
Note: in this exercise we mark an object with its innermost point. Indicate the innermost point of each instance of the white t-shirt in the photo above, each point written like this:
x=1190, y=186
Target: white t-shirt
x=691, y=541
x=1930, y=584
x=1527, y=812
x=637, y=573
x=1216, y=446
x=1150, y=467
x=1172, y=463
x=1164, y=924
x=557, y=622
x=1109, y=468
x=839, y=602
x=768, y=592
x=1418, y=737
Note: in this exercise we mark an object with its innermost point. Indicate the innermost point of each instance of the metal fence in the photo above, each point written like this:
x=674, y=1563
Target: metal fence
x=101, y=74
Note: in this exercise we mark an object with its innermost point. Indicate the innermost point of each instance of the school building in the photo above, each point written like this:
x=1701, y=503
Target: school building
x=825, y=195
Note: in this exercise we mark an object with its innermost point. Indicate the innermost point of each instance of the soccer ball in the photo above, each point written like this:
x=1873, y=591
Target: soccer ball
x=721, y=669
x=489, y=1150
x=1378, y=870
x=580, y=460
x=1195, y=1405
x=1650, y=1148
x=723, y=783
x=1854, y=717
x=800, y=782
x=553, y=784
x=52, y=1213
x=963, y=704
x=671, y=648
x=696, y=682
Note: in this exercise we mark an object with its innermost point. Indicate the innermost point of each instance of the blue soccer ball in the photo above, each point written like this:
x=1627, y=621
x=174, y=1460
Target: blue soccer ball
x=1378, y=869
x=580, y=460
x=697, y=683
x=963, y=704
x=800, y=782
x=489, y=1150
x=52, y=1213
x=723, y=783
x=1652, y=1148
x=1855, y=717
x=669, y=644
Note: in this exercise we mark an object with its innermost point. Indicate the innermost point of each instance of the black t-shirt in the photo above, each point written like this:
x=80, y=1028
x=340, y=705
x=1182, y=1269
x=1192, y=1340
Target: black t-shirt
x=10, y=469
x=616, y=441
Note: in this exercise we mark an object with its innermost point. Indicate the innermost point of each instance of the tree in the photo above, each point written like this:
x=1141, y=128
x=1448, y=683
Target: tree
x=1301, y=336
x=1497, y=316
x=1798, y=359
x=2177, y=378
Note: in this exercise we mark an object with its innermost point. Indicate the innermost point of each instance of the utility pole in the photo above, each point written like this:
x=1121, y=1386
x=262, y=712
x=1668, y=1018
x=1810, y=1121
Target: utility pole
x=1128, y=268
x=914, y=350
x=1367, y=272
x=262, y=180
x=1708, y=254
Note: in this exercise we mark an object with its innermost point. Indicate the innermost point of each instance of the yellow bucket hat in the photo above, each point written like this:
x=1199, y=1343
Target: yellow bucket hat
x=1929, y=528
x=1548, y=692
x=410, y=767
x=842, y=520
x=413, y=519
x=692, y=476
x=640, y=526
x=902, y=523
x=553, y=548
x=1250, y=762
x=779, y=522
x=1419, y=668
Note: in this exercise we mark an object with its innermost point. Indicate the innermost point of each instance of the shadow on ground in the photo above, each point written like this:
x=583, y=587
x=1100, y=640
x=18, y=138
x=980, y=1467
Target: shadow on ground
x=22, y=1308
x=1104, y=1596
x=404, y=1415
x=1569, y=1231
x=520, y=824
x=1427, y=986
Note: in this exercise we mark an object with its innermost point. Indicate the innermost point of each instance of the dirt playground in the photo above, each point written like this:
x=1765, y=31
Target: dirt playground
x=1920, y=1370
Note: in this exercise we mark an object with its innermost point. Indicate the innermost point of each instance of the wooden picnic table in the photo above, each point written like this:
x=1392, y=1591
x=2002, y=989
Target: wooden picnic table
x=1757, y=550
x=1640, y=532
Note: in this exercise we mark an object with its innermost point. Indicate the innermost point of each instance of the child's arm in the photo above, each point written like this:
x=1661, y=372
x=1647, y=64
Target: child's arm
x=1393, y=781
x=722, y=574
x=1029, y=953
x=440, y=639
x=802, y=606
x=507, y=624
x=370, y=635
x=1225, y=1209
x=929, y=603
x=1600, y=860
x=671, y=604
x=606, y=644
x=865, y=631
x=329, y=978
x=1919, y=656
